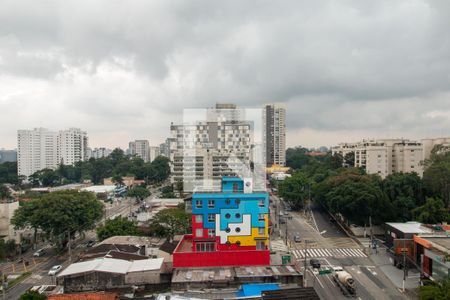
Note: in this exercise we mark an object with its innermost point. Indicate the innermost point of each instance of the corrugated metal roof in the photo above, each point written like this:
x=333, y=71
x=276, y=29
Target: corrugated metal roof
x=112, y=265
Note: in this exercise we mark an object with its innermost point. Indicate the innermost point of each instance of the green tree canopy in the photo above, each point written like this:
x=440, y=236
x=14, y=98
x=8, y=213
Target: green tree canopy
x=138, y=192
x=8, y=173
x=432, y=212
x=436, y=175
x=4, y=192
x=117, y=226
x=295, y=190
x=296, y=158
x=32, y=295
x=171, y=221
x=59, y=213
x=436, y=290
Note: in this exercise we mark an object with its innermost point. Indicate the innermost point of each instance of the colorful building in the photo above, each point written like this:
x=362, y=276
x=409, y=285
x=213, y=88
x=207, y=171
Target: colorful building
x=228, y=228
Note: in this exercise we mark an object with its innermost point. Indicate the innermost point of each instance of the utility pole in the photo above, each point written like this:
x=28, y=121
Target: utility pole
x=371, y=234
x=70, y=250
x=404, y=264
x=306, y=254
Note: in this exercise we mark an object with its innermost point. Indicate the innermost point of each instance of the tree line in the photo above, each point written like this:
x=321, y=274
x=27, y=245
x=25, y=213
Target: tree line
x=355, y=195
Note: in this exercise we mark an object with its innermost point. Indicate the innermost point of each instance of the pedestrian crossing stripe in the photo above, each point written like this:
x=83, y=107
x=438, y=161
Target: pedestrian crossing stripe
x=313, y=252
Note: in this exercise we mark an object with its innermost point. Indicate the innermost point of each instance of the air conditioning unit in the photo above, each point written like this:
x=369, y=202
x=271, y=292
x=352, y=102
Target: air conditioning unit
x=248, y=185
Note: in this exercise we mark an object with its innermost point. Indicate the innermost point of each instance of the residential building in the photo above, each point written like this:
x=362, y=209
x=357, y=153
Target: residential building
x=106, y=273
x=202, y=151
x=37, y=149
x=384, y=156
x=154, y=152
x=164, y=148
x=7, y=209
x=140, y=148
x=98, y=152
x=430, y=143
x=8, y=156
x=229, y=228
x=275, y=135
x=40, y=149
x=72, y=146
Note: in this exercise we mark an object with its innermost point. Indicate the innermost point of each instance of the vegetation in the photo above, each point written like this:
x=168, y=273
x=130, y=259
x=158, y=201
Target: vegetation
x=139, y=193
x=116, y=226
x=7, y=249
x=32, y=295
x=356, y=196
x=167, y=192
x=169, y=222
x=8, y=173
x=59, y=213
x=116, y=165
x=4, y=192
x=436, y=290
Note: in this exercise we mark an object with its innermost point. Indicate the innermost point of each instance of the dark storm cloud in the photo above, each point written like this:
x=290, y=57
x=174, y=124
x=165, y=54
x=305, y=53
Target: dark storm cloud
x=131, y=66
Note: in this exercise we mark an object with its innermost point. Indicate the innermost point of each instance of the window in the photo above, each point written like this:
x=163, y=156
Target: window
x=260, y=245
x=238, y=243
x=227, y=201
x=210, y=203
x=205, y=247
x=238, y=201
x=238, y=215
x=227, y=230
x=211, y=217
x=238, y=229
x=199, y=232
x=198, y=204
x=261, y=231
x=262, y=203
x=198, y=218
x=261, y=217
x=211, y=232
x=227, y=216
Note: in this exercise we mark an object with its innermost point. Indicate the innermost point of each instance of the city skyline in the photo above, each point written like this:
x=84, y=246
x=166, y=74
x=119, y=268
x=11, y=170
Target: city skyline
x=364, y=72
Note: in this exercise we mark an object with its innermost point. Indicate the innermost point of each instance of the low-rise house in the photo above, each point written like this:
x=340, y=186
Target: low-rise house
x=110, y=273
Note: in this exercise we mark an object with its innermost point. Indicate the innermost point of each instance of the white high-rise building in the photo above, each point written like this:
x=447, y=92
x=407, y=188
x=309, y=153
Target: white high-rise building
x=384, y=156
x=98, y=152
x=275, y=135
x=200, y=151
x=41, y=149
x=154, y=152
x=430, y=143
x=141, y=148
x=72, y=146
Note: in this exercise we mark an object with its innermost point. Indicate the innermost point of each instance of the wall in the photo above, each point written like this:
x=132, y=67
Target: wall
x=223, y=258
x=151, y=277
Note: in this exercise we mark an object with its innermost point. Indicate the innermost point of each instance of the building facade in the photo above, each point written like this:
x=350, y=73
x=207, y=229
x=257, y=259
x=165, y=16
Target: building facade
x=40, y=149
x=275, y=135
x=140, y=148
x=154, y=152
x=203, y=151
x=8, y=156
x=98, y=152
x=430, y=143
x=228, y=228
x=384, y=156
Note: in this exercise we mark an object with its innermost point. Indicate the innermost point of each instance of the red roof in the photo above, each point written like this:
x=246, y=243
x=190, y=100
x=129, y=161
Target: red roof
x=85, y=296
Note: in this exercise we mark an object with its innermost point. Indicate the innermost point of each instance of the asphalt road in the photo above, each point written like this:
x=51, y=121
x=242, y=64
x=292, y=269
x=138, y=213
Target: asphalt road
x=371, y=283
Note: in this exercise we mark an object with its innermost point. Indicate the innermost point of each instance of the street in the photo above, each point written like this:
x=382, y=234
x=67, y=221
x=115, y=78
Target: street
x=39, y=267
x=322, y=239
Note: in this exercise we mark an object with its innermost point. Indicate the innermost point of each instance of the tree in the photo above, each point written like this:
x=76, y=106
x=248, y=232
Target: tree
x=117, y=179
x=436, y=175
x=32, y=295
x=59, y=213
x=139, y=193
x=45, y=177
x=432, y=212
x=295, y=190
x=4, y=192
x=171, y=221
x=7, y=249
x=349, y=159
x=116, y=226
x=296, y=158
x=436, y=290
x=8, y=173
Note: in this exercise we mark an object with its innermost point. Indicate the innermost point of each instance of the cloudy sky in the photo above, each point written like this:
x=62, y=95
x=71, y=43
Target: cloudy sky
x=124, y=70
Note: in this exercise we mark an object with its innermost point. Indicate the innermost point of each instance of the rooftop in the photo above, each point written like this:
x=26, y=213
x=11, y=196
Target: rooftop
x=410, y=227
x=112, y=265
x=137, y=241
x=85, y=296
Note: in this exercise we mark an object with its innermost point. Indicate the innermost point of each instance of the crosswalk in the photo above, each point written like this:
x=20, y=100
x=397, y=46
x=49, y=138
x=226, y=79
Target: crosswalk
x=342, y=252
x=278, y=245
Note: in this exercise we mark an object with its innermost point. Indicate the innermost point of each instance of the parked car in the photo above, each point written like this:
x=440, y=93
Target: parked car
x=315, y=263
x=297, y=238
x=90, y=243
x=54, y=270
x=39, y=253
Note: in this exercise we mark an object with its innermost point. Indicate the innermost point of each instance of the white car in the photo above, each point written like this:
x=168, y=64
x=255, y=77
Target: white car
x=337, y=269
x=39, y=253
x=54, y=270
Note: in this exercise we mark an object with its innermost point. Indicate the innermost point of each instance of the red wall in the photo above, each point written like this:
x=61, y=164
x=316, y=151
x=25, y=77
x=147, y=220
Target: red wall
x=224, y=258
